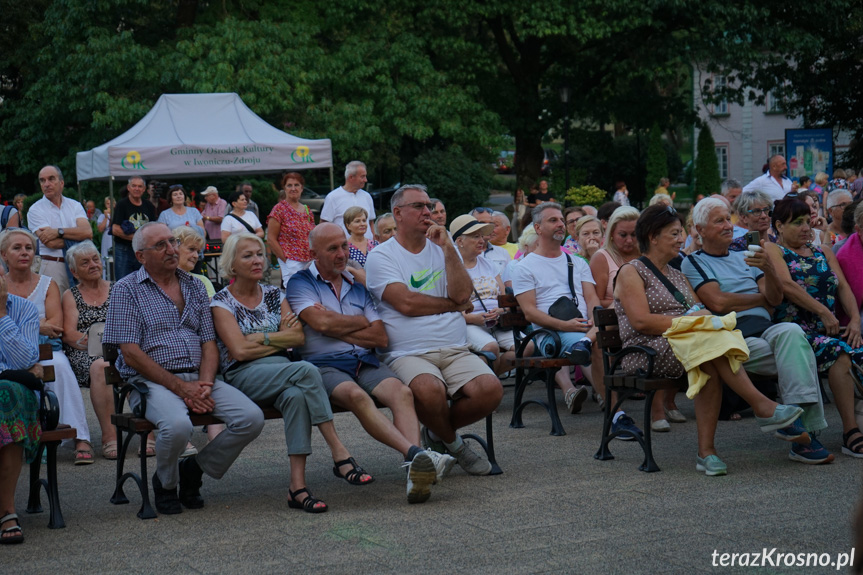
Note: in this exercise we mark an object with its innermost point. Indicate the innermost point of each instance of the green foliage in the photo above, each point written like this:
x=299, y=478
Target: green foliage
x=586, y=196
x=706, y=174
x=657, y=161
x=462, y=184
x=504, y=184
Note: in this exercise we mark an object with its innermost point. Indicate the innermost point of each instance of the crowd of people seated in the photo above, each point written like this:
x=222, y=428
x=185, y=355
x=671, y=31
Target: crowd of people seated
x=389, y=309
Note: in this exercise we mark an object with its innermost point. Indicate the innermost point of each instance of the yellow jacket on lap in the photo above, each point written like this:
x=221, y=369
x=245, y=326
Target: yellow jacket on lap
x=698, y=339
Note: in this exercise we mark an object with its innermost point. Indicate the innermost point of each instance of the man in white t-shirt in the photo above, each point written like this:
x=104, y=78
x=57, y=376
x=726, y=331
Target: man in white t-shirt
x=55, y=219
x=543, y=277
x=774, y=182
x=349, y=195
x=496, y=254
x=420, y=287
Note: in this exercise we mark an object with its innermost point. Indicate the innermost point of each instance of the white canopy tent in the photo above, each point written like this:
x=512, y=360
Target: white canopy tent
x=201, y=135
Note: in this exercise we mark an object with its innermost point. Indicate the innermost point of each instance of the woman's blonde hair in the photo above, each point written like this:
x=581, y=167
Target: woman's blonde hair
x=229, y=252
x=353, y=213
x=187, y=234
x=621, y=214
x=583, y=221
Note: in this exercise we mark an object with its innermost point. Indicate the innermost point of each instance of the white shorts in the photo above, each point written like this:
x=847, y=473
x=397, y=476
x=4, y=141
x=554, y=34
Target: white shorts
x=289, y=268
x=479, y=337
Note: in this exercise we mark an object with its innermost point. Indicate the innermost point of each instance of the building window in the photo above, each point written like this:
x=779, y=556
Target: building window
x=722, y=160
x=776, y=148
x=773, y=104
x=720, y=108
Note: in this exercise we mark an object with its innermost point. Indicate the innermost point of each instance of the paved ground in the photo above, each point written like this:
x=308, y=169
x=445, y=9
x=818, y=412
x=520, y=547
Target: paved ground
x=554, y=510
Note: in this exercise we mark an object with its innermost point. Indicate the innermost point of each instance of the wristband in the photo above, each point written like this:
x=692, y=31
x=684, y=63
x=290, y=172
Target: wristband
x=266, y=338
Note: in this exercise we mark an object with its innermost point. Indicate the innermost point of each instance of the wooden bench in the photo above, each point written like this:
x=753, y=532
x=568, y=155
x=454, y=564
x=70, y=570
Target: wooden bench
x=52, y=435
x=625, y=386
x=532, y=368
x=133, y=423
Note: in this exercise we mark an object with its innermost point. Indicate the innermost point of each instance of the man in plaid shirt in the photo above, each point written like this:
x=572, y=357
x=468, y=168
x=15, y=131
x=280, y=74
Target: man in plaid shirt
x=160, y=318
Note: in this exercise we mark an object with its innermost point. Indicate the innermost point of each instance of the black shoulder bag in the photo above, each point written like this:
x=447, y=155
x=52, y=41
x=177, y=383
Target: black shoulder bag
x=665, y=281
x=565, y=308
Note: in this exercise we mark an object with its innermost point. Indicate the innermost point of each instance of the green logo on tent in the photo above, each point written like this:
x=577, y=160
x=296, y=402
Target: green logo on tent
x=302, y=155
x=132, y=161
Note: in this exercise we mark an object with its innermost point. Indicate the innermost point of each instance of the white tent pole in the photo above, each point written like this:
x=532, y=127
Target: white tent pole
x=332, y=182
x=111, y=272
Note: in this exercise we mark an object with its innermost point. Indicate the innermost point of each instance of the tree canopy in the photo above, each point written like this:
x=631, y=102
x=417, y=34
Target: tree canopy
x=391, y=80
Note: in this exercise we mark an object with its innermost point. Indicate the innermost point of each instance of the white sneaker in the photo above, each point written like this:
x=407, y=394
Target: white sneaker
x=443, y=463
x=472, y=462
x=422, y=474
x=575, y=398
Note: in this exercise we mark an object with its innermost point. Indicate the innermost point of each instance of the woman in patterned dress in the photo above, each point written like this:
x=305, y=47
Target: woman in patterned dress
x=84, y=305
x=288, y=228
x=812, y=282
x=645, y=310
x=19, y=426
x=256, y=327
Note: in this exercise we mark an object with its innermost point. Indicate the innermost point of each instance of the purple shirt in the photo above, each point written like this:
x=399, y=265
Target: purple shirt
x=217, y=210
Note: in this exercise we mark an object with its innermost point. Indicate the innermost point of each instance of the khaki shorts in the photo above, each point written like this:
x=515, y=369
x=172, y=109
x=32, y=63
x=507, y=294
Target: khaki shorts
x=454, y=366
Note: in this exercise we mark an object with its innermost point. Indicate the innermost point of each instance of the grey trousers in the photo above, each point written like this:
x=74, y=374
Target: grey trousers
x=294, y=388
x=783, y=351
x=243, y=423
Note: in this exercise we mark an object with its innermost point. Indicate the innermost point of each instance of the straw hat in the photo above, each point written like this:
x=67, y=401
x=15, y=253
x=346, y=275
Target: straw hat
x=467, y=224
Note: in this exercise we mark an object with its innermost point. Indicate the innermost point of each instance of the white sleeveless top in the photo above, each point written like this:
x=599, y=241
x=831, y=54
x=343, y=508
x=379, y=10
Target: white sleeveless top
x=39, y=293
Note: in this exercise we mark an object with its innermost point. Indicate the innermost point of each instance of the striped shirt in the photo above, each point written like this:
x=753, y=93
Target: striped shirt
x=19, y=334
x=141, y=313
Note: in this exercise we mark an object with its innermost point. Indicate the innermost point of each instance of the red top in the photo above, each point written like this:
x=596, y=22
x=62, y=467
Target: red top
x=294, y=229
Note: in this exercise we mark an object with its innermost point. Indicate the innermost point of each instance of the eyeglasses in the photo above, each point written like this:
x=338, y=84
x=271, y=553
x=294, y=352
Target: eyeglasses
x=417, y=206
x=176, y=187
x=163, y=245
x=843, y=205
x=481, y=211
x=760, y=212
x=671, y=210
x=571, y=222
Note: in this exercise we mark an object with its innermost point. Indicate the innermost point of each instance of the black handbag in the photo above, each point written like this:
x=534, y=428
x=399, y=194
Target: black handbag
x=566, y=308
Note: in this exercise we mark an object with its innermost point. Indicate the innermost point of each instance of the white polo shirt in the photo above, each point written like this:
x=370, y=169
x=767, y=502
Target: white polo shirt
x=45, y=213
x=770, y=186
x=339, y=200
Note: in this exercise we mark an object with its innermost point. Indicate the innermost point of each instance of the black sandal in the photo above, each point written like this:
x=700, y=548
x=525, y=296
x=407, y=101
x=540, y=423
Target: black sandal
x=6, y=535
x=308, y=504
x=355, y=475
x=855, y=448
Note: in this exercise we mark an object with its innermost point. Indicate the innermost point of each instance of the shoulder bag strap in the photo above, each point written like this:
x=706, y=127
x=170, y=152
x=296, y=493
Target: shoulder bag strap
x=661, y=277
x=242, y=221
x=571, y=269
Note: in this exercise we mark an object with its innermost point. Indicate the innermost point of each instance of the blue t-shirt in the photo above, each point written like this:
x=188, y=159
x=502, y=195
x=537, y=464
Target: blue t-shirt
x=731, y=273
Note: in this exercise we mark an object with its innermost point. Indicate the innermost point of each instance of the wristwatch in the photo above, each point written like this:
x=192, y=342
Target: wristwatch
x=60, y=232
x=266, y=338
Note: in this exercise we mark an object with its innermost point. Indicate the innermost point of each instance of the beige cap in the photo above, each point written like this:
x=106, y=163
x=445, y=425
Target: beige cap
x=468, y=224
x=210, y=190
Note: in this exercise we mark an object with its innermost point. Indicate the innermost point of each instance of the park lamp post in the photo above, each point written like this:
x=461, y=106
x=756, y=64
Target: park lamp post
x=564, y=98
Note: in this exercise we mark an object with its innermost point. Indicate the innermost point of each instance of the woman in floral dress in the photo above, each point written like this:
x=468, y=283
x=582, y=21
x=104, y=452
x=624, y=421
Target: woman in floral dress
x=812, y=282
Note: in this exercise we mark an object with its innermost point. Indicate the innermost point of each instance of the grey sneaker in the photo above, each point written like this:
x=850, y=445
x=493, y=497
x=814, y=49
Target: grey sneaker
x=472, y=462
x=575, y=399
x=443, y=464
x=421, y=475
x=429, y=443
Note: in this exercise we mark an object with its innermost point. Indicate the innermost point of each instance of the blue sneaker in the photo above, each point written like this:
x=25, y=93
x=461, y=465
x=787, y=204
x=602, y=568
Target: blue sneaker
x=813, y=454
x=579, y=353
x=625, y=424
x=783, y=416
x=794, y=433
x=710, y=465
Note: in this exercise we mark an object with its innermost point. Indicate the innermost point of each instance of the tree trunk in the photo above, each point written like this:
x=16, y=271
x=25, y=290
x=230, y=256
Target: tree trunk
x=528, y=158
